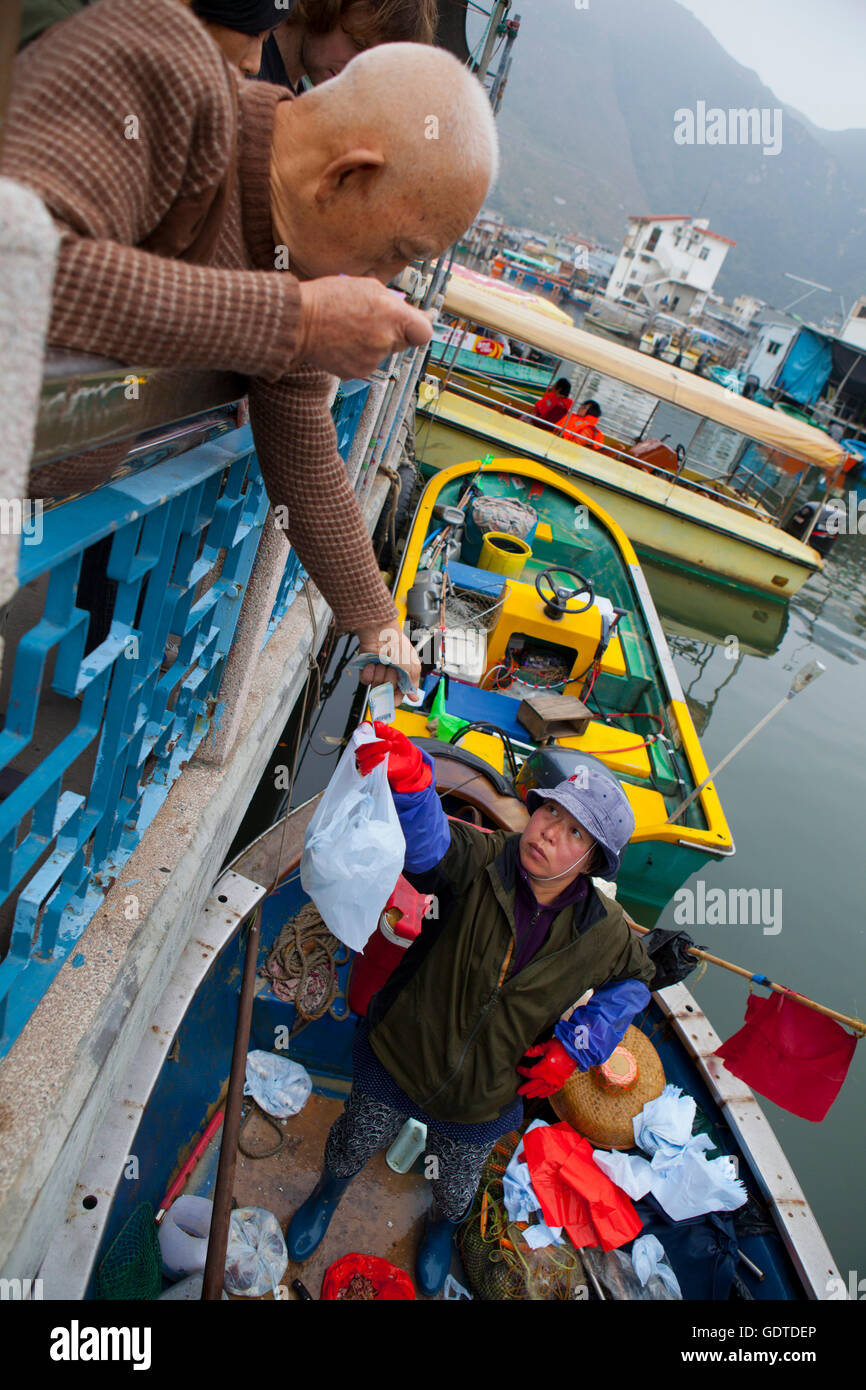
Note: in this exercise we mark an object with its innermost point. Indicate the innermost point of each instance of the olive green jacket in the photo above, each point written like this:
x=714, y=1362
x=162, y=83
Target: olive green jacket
x=452, y=1023
x=37, y=15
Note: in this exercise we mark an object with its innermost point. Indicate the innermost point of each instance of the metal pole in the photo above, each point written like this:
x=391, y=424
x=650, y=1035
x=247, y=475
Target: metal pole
x=804, y=677
x=498, y=88
x=499, y=11
x=215, y=1265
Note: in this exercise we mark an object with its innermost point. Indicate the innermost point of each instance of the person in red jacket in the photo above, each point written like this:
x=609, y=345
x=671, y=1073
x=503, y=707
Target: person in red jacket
x=555, y=403
x=581, y=426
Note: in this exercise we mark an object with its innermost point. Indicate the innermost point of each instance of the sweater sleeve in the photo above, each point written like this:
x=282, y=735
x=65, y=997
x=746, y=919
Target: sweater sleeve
x=296, y=442
x=124, y=120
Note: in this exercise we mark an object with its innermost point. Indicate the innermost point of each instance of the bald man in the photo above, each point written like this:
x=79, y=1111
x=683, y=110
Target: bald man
x=212, y=223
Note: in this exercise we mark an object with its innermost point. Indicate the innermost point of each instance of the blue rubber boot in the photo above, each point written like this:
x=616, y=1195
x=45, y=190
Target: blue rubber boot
x=310, y=1222
x=434, y=1256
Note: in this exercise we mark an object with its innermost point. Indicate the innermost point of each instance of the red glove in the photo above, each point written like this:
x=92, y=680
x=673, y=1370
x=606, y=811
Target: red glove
x=548, y=1075
x=407, y=770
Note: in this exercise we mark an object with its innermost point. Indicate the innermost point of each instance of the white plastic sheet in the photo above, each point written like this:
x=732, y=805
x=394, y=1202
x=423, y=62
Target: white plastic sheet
x=278, y=1085
x=354, y=848
x=680, y=1176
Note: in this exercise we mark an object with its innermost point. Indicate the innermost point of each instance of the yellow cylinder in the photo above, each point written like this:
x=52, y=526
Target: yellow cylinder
x=504, y=554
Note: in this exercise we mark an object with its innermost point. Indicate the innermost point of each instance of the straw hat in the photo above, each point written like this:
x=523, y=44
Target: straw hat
x=602, y=1102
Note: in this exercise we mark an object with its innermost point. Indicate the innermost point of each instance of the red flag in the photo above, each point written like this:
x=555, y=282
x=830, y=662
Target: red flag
x=787, y=1052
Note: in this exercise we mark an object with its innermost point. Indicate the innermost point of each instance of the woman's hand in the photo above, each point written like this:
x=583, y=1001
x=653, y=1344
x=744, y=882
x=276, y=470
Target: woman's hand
x=407, y=770
x=548, y=1074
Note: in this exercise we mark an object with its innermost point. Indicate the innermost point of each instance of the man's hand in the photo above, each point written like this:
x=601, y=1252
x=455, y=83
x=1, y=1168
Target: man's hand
x=350, y=323
x=393, y=643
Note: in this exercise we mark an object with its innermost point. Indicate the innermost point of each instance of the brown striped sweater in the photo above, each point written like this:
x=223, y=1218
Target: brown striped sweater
x=154, y=159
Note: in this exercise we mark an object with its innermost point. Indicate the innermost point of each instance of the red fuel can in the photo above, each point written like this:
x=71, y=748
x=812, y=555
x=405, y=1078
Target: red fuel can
x=399, y=924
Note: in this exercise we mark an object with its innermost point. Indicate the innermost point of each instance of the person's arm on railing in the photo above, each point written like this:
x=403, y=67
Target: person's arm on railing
x=125, y=122
x=133, y=154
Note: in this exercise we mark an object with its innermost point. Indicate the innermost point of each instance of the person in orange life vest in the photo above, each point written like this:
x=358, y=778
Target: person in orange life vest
x=555, y=403
x=581, y=425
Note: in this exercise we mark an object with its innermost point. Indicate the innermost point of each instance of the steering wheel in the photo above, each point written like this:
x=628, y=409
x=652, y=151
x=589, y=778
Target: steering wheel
x=557, y=606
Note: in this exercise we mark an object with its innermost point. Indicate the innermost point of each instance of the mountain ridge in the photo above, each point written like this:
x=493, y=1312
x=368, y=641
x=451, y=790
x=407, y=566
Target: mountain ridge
x=589, y=114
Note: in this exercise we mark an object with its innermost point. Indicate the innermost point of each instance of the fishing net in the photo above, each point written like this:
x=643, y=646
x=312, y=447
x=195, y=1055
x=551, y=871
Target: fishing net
x=467, y=610
x=131, y=1267
x=504, y=514
x=498, y=1262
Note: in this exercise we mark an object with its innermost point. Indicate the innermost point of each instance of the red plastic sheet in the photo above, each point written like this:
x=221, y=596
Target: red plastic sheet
x=391, y=1283
x=787, y=1052
x=574, y=1193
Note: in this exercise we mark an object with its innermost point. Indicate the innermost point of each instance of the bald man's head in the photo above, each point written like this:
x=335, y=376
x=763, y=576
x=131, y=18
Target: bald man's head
x=385, y=164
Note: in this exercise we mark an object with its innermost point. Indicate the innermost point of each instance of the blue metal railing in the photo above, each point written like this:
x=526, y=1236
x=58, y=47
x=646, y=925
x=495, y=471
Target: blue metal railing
x=178, y=541
x=184, y=538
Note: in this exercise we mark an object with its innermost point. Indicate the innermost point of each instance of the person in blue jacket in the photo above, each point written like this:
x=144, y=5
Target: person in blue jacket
x=520, y=934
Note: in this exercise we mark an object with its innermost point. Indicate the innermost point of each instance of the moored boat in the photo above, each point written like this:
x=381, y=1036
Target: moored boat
x=719, y=522
x=600, y=639
x=178, y=1085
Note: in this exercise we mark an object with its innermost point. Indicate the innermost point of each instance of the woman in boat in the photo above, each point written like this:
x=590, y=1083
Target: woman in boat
x=320, y=37
x=519, y=934
x=581, y=426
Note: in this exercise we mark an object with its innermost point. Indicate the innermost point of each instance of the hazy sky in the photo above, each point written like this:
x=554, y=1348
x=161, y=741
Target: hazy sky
x=811, y=53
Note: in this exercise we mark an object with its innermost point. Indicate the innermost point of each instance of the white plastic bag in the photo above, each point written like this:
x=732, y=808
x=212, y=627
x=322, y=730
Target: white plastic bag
x=280, y=1086
x=256, y=1258
x=354, y=848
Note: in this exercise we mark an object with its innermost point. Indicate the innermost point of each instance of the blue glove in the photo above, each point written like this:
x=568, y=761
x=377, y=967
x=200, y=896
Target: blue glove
x=593, y=1031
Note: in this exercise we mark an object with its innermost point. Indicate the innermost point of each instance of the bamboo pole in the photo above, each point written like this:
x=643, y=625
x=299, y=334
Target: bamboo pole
x=856, y=1023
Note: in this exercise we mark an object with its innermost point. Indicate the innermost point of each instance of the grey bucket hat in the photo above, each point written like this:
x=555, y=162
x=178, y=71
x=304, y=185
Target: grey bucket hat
x=598, y=801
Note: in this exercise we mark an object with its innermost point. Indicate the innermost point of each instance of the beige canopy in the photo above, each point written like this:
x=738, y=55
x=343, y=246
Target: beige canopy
x=771, y=427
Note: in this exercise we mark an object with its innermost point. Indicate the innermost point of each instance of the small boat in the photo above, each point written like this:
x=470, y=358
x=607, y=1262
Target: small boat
x=172, y=1098
x=610, y=652
x=719, y=521
x=162, y=1122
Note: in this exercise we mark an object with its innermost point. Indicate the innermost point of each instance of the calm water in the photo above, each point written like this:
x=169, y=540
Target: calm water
x=794, y=799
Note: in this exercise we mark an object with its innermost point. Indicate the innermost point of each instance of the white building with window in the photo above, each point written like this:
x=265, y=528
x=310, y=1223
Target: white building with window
x=853, y=330
x=775, y=331
x=668, y=263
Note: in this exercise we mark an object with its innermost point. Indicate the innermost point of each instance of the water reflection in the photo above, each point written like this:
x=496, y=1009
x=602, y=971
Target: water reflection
x=830, y=611
x=694, y=608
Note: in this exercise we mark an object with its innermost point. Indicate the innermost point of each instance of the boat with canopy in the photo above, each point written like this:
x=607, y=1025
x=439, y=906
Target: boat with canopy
x=677, y=502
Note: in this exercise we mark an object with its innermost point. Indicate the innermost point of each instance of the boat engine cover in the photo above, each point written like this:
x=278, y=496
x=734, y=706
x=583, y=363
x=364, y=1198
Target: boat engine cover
x=550, y=765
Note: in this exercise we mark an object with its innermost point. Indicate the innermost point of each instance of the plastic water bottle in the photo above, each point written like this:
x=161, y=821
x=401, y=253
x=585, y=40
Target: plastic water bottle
x=410, y=1142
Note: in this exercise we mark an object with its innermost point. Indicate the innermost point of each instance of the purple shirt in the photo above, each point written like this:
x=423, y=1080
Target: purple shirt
x=532, y=919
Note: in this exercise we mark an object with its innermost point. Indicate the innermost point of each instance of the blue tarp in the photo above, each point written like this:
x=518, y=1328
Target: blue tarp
x=806, y=368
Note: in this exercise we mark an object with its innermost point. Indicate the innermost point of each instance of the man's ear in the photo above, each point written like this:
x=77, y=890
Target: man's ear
x=355, y=167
